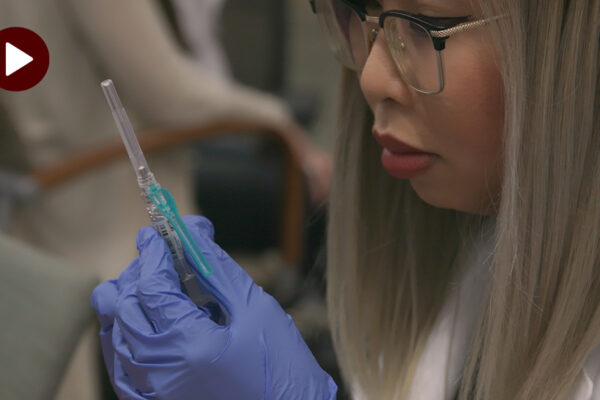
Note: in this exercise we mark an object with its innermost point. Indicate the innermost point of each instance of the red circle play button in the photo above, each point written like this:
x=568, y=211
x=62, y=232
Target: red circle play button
x=24, y=59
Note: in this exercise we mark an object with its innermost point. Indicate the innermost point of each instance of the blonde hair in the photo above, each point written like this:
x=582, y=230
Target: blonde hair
x=391, y=255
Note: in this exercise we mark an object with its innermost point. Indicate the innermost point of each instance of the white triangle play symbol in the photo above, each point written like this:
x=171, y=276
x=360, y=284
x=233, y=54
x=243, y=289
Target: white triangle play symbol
x=15, y=59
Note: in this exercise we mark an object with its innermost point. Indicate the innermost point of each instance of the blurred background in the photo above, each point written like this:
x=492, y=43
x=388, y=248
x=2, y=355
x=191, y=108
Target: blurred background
x=234, y=103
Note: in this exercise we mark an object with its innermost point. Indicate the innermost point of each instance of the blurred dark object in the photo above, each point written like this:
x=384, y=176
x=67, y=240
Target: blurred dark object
x=255, y=37
x=238, y=181
x=171, y=16
x=12, y=150
x=15, y=186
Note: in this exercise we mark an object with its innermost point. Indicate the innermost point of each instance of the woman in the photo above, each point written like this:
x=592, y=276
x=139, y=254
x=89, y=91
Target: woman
x=512, y=129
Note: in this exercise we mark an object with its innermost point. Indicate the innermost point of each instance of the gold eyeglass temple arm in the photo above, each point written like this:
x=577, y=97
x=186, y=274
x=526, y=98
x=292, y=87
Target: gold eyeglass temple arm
x=463, y=27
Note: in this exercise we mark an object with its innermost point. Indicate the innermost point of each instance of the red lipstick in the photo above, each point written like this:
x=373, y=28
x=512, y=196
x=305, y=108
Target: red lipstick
x=401, y=160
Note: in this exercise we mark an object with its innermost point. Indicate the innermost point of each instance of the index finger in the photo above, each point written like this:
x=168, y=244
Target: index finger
x=158, y=288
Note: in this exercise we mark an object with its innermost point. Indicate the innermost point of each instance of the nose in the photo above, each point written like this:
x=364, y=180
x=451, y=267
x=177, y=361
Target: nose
x=380, y=79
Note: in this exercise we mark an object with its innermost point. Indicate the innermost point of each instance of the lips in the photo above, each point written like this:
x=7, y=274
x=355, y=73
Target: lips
x=401, y=160
x=394, y=145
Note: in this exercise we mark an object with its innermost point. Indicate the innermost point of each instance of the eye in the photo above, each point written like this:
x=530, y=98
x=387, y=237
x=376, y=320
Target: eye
x=427, y=17
x=416, y=29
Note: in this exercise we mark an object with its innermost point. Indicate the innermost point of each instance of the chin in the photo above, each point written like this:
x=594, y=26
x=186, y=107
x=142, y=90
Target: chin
x=458, y=200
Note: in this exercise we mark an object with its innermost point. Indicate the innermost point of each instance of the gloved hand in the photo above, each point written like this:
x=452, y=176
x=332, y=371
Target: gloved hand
x=158, y=345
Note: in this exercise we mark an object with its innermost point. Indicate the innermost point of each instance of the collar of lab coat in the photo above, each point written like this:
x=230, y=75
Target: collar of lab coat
x=459, y=314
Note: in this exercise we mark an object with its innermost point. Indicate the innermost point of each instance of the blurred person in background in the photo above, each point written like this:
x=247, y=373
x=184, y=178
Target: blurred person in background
x=89, y=220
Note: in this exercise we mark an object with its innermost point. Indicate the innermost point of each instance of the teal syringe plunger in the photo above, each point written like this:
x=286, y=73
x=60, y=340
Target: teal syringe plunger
x=163, y=212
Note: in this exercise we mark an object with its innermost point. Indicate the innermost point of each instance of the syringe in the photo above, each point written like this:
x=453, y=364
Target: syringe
x=163, y=213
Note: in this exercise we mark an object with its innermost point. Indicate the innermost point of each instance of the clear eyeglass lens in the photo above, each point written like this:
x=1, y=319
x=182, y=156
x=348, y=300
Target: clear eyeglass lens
x=344, y=31
x=412, y=49
x=410, y=44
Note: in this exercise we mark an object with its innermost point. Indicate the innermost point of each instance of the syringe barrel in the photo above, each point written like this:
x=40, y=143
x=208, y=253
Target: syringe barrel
x=197, y=294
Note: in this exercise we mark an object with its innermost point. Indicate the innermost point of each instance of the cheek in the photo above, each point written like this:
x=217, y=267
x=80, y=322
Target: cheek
x=468, y=121
x=474, y=108
x=473, y=95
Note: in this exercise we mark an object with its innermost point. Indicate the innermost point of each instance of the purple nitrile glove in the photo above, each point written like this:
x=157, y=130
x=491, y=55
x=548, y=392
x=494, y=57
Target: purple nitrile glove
x=158, y=345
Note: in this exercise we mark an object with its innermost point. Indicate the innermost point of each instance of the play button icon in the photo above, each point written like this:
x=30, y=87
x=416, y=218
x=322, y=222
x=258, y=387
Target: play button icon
x=25, y=58
x=15, y=59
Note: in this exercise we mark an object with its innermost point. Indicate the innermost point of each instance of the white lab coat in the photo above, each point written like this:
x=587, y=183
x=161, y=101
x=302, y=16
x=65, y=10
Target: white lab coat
x=429, y=382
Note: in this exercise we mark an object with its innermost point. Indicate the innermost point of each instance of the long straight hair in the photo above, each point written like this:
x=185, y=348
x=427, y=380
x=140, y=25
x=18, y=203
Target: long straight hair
x=391, y=255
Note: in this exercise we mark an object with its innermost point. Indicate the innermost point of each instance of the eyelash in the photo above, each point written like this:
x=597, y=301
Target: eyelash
x=445, y=22
x=427, y=17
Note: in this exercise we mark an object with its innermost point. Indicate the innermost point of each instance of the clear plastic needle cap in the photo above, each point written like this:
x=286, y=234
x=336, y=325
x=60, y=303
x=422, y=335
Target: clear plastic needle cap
x=134, y=150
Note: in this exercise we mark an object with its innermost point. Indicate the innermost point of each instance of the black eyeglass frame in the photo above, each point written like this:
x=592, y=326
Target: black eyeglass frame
x=439, y=33
x=439, y=42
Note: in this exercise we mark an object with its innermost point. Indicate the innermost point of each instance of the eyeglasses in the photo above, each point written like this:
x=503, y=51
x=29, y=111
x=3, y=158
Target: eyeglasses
x=415, y=41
